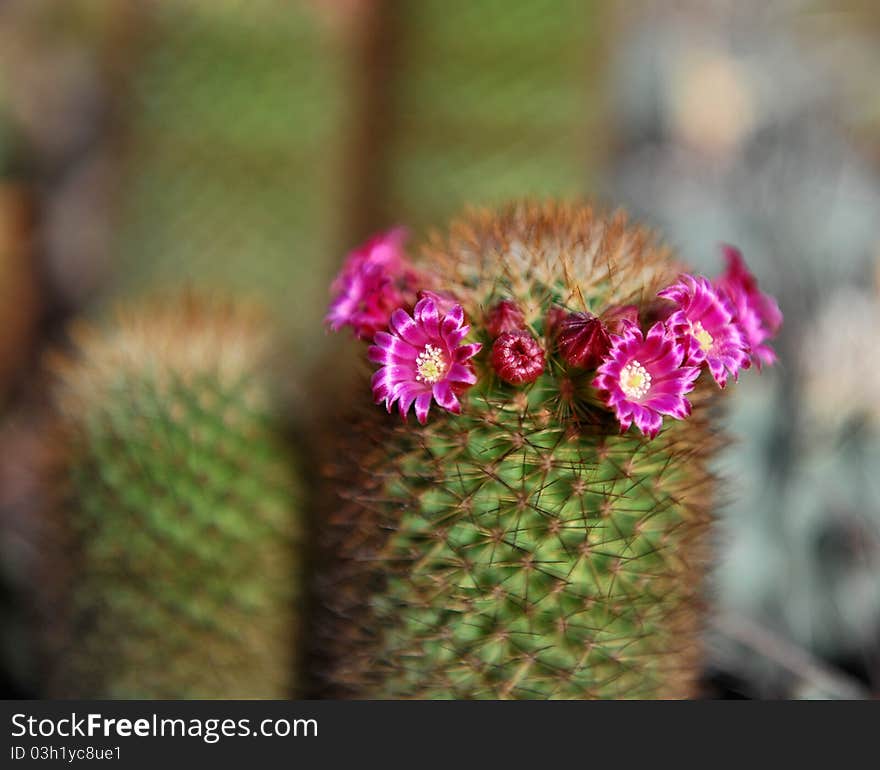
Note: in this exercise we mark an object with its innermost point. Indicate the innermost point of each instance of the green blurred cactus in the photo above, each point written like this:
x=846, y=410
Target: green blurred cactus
x=524, y=549
x=177, y=499
x=232, y=154
x=489, y=100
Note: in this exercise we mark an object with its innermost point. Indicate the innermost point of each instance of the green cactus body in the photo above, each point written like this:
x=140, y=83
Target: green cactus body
x=525, y=548
x=180, y=573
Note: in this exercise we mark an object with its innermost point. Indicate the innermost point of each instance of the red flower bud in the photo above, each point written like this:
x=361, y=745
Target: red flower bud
x=553, y=322
x=614, y=317
x=583, y=341
x=504, y=316
x=517, y=357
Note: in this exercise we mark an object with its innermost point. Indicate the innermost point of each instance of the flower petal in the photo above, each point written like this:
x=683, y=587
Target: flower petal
x=462, y=373
x=453, y=319
x=465, y=352
x=406, y=327
x=427, y=317
x=423, y=404
x=445, y=397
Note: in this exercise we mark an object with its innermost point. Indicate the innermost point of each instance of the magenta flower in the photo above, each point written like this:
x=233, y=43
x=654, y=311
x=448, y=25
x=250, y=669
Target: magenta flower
x=642, y=378
x=375, y=279
x=705, y=325
x=517, y=357
x=422, y=359
x=757, y=313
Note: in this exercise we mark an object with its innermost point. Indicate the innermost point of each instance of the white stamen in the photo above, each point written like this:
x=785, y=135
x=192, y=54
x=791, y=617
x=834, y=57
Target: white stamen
x=430, y=365
x=635, y=381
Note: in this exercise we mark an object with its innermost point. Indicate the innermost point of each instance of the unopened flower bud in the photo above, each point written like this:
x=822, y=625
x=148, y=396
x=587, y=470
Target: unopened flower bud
x=583, y=341
x=553, y=322
x=615, y=317
x=517, y=357
x=504, y=316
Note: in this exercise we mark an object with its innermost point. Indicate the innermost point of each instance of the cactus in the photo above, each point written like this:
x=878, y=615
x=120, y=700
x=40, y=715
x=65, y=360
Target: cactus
x=526, y=547
x=225, y=180
x=178, y=501
x=486, y=100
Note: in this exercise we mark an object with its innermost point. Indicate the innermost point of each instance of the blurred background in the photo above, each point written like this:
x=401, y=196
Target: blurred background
x=249, y=145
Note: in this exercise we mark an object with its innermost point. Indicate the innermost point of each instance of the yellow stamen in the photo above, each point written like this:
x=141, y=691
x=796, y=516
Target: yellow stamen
x=635, y=381
x=703, y=337
x=430, y=365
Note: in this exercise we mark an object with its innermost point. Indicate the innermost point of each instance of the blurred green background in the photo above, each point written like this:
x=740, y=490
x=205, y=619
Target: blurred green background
x=249, y=145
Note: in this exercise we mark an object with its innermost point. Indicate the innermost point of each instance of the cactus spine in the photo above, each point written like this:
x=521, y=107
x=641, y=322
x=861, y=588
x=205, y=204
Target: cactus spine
x=180, y=577
x=525, y=548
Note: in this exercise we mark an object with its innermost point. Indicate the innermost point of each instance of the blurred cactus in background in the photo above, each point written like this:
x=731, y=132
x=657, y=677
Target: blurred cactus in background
x=735, y=125
x=231, y=155
x=478, y=101
x=527, y=545
x=172, y=541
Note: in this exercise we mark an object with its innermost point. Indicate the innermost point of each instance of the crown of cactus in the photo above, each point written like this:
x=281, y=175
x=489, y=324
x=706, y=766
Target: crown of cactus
x=545, y=534
x=179, y=503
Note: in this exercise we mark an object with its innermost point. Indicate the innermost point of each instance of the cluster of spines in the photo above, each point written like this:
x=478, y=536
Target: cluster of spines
x=540, y=253
x=485, y=521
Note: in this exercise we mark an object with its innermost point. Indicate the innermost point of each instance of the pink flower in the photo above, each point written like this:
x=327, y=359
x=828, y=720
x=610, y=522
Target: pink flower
x=583, y=340
x=705, y=325
x=517, y=357
x=504, y=316
x=643, y=378
x=757, y=313
x=422, y=358
x=375, y=279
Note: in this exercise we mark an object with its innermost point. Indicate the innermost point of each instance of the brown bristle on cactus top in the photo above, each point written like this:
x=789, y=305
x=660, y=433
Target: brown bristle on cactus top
x=525, y=548
x=177, y=505
x=573, y=256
